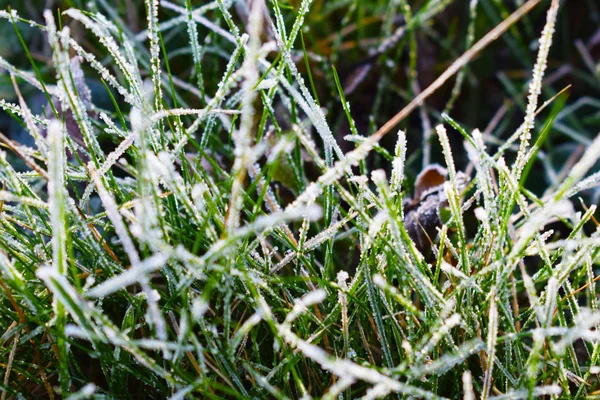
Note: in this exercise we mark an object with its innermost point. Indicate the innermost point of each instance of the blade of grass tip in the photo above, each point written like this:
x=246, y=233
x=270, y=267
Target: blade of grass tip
x=453, y=198
x=153, y=30
x=535, y=87
x=530, y=158
x=57, y=204
x=398, y=163
x=467, y=380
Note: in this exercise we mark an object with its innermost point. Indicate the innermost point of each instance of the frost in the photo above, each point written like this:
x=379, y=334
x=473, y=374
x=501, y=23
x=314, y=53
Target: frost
x=491, y=344
x=267, y=84
x=301, y=305
x=467, y=381
x=398, y=163
x=199, y=308
x=133, y=275
x=481, y=214
x=85, y=392
x=57, y=195
x=535, y=87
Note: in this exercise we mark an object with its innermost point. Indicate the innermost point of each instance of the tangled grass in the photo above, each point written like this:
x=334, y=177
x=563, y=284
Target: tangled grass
x=213, y=236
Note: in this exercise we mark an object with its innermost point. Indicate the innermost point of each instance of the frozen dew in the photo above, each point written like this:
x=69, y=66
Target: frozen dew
x=135, y=274
x=398, y=163
x=467, y=381
x=535, y=86
x=201, y=301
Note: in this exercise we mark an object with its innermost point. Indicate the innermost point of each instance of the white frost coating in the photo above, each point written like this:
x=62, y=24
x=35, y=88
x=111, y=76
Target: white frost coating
x=27, y=76
x=10, y=197
x=112, y=211
x=452, y=270
x=543, y=216
x=537, y=392
x=304, y=99
x=346, y=368
x=535, y=87
x=398, y=163
x=57, y=195
x=342, y=278
x=479, y=158
x=301, y=305
x=30, y=120
x=150, y=344
x=200, y=112
x=588, y=183
x=491, y=344
x=443, y=136
x=481, y=214
x=199, y=307
x=467, y=381
x=378, y=176
x=129, y=277
x=335, y=390
x=104, y=73
x=327, y=234
x=74, y=93
x=15, y=109
x=333, y=174
x=85, y=392
x=13, y=274
x=12, y=14
x=244, y=329
x=65, y=294
x=196, y=15
x=379, y=281
x=88, y=389
x=312, y=110
x=267, y=84
x=152, y=17
x=111, y=159
x=584, y=323
x=192, y=32
x=443, y=330
x=163, y=166
x=375, y=226
x=138, y=122
x=270, y=221
x=551, y=293
x=171, y=23
x=284, y=146
x=198, y=192
x=579, y=170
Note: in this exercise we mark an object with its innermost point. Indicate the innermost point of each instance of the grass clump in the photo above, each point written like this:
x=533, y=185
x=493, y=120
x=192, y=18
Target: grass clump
x=196, y=208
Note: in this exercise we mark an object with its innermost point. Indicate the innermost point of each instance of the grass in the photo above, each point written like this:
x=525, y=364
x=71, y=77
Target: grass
x=214, y=201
